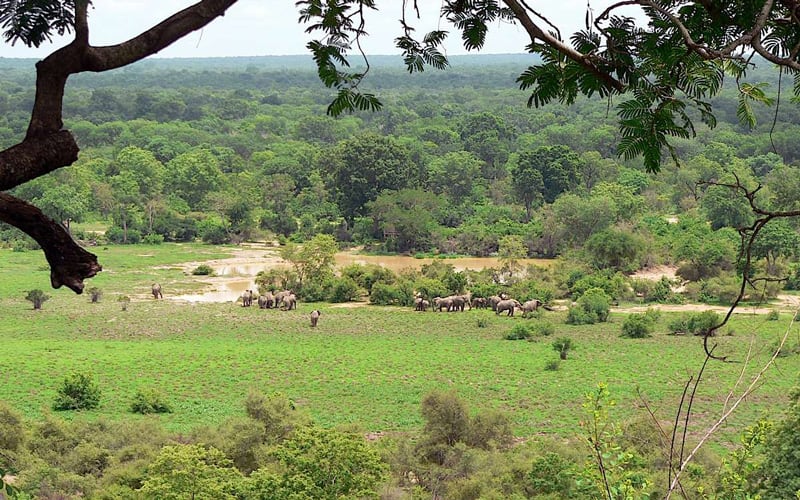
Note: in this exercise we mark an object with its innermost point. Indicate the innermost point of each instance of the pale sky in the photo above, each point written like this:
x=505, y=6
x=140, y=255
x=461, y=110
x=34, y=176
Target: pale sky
x=270, y=27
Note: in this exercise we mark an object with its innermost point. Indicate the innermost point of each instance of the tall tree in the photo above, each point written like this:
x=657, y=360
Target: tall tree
x=670, y=61
x=360, y=168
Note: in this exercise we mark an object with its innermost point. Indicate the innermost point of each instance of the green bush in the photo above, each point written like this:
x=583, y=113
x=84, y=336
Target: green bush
x=562, y=346
x=37, y=297
x=543, y=329
x=773, y=315
x=639, y=326
x=551, y=474
x=203, y=270
x=592, y=307
x=150, y=400
x=344, y=289
x=482, y=323
x=78, y=391
x=95, y=294
x=12, y=432
x=384, y=295
x=124, y=300
x=153, y=239
x=520, y=331
x=695, y=323
x=213, y=230
x=552, y=365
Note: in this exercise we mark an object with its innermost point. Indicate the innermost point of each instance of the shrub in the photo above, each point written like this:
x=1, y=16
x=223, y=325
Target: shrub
x=344, y=289
x=150, y=400
x=695, y=323
x=37, y=297
x=593, y=307
x=384, y=295
x=190, y=471
x=639, y=326
x=488, y=429
x=11, y=429
x=551, y=474
x=124, y=300
x=520, y=331
x=95, y=294
x=153, y=239
x=203, y=270
x=482, y=322
x=78, y=391
x=276, y=412
x=213, y=230
x=552, y=365
x=543, y=329
x=662, y=292
x=773, y=315
x=562, y=346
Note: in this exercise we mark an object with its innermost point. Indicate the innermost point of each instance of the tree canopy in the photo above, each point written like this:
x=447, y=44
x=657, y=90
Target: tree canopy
x=665, y=65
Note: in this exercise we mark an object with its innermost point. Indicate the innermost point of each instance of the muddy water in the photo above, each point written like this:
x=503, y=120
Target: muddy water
x=233, y=278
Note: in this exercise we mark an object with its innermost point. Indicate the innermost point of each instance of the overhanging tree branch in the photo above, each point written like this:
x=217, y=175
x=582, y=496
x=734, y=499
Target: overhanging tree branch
x=69, y=263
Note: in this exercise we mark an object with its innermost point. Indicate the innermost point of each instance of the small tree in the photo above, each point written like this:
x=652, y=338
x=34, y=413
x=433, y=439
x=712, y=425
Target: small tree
x=562, y=346
x=78, y=391
x=150, y=400
x=191, y=471
x=37, y=297
x=124, y=300
x=638, y=326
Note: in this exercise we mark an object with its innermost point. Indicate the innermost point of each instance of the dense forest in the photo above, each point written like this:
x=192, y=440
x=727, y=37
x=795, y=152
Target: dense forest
x=229, y=150
x=241, y=149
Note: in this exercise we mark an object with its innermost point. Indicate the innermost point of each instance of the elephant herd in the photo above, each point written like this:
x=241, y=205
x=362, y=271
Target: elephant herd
x=498, y=303
x=284, y=300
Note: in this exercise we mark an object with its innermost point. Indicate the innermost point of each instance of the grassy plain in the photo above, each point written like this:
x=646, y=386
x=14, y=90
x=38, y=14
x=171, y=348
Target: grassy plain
x=366, y=365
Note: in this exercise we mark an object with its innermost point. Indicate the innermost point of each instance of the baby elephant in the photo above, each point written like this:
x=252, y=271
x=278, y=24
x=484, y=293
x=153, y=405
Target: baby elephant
x=314, y=317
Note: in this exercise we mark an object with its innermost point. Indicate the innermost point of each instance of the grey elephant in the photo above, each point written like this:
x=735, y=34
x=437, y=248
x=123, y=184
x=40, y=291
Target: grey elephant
x=280, y=295
x=247, y=298
x=289, y=302
x=266, y=301
x=156, y=291
x=478, y=303
x=493, y=300
x=315, y=314
x=507, y=305
x=530, y=306
x=421, y=304
x=442, y=303
x=457, y=302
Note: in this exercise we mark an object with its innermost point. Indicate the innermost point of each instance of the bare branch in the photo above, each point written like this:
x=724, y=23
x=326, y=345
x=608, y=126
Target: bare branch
x=727, y=413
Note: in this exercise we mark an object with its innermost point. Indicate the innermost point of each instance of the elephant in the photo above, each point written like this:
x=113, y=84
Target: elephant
x=247, y=298
x=478, y=303
x=280, y=295
x=265, y=301
x=289, y=302
x=156, y=291
x=530, y=306
x=457, y=303
x=440, y=303
x=314, y=317
x=507, y=305
x=421, y=304
x=493, y=300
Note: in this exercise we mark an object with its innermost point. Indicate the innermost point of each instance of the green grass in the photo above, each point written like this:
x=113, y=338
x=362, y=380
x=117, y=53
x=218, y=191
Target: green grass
x=367, y=365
